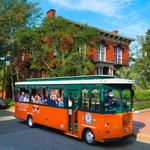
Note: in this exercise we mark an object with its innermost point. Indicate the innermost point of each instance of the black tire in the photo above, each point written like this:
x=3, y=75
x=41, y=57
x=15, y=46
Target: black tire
x=89, y=137
x=30, y=122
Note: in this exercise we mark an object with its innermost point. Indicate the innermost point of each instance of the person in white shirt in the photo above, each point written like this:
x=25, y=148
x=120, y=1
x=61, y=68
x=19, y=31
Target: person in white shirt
x=26, y=98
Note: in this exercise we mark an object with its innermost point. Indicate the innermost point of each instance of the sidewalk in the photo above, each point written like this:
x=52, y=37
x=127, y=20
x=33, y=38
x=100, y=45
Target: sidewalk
x=7, y=114
x=142, y=125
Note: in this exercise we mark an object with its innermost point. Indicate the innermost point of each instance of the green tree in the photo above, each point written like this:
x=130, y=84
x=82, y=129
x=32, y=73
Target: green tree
x=127, y=72
x=142, y=65
x=63, y=47
x=14, y=16
x=145, y=42
x=140, y=70
x=123, y=72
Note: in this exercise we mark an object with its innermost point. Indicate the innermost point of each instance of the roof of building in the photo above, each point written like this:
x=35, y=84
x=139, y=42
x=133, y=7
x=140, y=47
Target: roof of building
x=110, y=35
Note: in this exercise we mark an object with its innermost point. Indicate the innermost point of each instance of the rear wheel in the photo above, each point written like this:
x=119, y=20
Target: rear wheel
x=30, y=122
x=89, y=137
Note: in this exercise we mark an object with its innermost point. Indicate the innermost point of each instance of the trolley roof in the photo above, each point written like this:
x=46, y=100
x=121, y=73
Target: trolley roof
x=75, y=80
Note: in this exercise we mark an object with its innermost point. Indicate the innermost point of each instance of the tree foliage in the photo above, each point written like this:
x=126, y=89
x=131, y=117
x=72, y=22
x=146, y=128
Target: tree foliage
x=140, y=70
x=125, y=72
x=60, y=47
x=146, y=45
x=15, y=15
x=143, y=63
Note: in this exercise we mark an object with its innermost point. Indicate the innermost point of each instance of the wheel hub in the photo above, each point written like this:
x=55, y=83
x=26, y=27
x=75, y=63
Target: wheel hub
x=90, y=137
x=30, y=122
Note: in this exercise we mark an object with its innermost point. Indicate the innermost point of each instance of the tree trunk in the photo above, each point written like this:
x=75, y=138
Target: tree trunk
x=3, y=85
x=12, y=82
x=17, y=72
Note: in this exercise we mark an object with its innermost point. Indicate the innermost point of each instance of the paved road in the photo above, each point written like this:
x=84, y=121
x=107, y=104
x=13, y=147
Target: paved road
x=16, y=135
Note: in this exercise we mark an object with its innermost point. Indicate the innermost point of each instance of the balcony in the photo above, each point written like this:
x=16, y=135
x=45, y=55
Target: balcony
x=100, y=56
x=119, y=62
x=122, y=62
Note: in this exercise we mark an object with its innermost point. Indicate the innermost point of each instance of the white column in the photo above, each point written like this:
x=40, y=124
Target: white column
x=101, y=70
x=96, y=71
x=112, y=71
x=109, y=72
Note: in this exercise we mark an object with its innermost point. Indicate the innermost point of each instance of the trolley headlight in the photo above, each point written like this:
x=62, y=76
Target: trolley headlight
x=106, y=125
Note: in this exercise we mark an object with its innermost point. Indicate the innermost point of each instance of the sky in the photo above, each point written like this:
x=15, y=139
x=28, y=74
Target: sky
x=130, y=17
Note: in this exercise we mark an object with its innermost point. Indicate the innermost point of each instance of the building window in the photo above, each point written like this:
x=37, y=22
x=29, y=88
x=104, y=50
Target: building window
x=101, y=52
x=82, y=50
x=118, y=55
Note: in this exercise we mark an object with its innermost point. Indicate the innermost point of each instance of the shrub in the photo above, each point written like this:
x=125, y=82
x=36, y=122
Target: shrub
x=142, y=95
x=9, y=102
x=141, y=105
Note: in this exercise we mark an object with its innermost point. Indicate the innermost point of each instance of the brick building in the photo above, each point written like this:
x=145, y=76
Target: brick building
x=111, y=54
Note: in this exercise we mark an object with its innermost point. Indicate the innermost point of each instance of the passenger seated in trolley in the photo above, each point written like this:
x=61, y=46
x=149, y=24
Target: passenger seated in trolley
x=21, y=98
x=60, y=102
x=26, y=98
x=56, y=100
x=17, y=97
x=45, y=100
x=52, y=101
x=36, y=99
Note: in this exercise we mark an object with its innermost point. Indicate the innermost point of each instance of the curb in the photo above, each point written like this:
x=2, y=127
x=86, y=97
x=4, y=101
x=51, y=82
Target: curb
x=6, y=118
x=140, y=111
x=142, y=137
